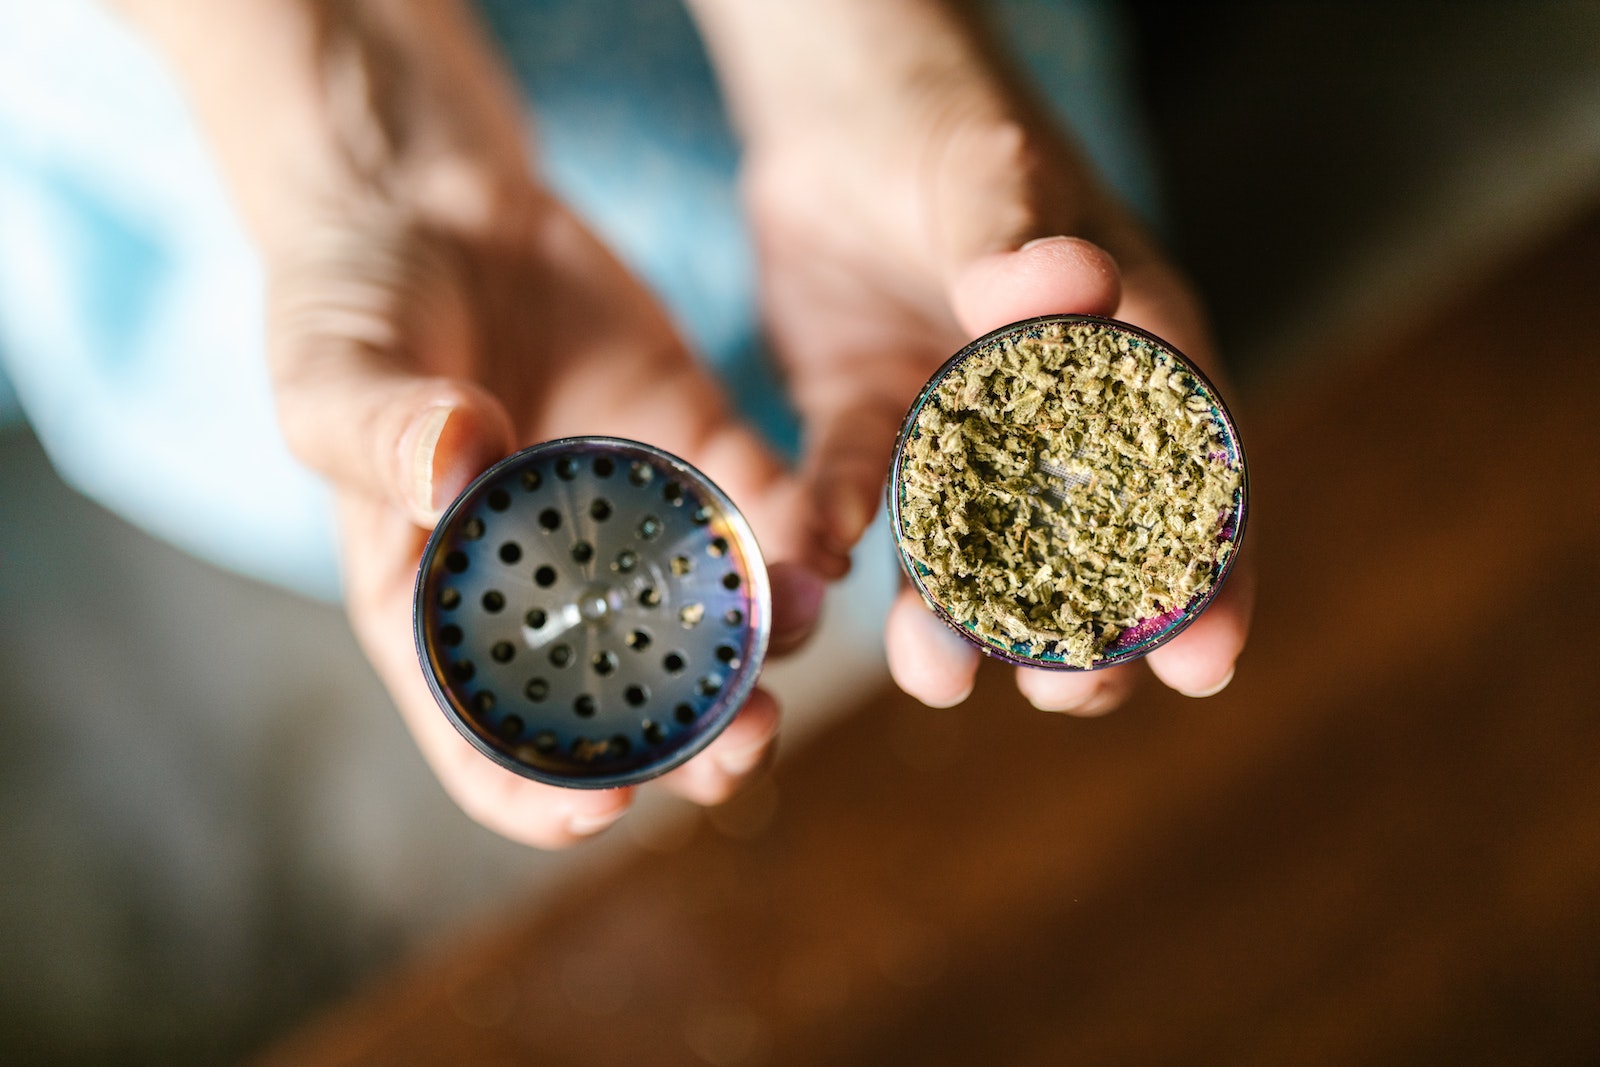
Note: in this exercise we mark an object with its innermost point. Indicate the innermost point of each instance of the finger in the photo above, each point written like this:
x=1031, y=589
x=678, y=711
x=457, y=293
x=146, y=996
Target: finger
x=772, y=501
x=352, y=410
x=1200, y=661
x=926, y=658
x=797, y=594
x=528, y=812
x=1156, y=298
x=380, y=551
x=848, y=449
x=1084, y=693
x=1049, y=276
x=735, y=758
x=414, y=443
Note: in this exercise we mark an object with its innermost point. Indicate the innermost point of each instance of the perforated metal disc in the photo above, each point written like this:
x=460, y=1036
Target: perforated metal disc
x=1147, y=634
x=591, y=612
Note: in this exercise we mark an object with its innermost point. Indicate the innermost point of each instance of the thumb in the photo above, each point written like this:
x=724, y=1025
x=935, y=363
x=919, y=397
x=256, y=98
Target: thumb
x=1047, y=276
x=361, y=417
x=852, y=419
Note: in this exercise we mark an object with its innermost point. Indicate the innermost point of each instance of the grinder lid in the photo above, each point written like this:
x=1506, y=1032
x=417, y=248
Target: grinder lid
x=591, y=612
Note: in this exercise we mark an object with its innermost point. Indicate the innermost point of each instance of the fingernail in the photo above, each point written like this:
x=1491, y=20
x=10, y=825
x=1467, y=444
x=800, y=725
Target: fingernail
x=959, y=698
x=583, y=824
x=1214, y=690
x=1057, y=693
x=797, y=595
x=1074, y=705
x=741, y=761
x=1042, y=240
x=423, y=453
x=1103, y=700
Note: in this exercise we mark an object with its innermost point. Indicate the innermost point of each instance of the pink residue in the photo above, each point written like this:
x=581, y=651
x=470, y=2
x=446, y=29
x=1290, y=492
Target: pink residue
x=1145, y=629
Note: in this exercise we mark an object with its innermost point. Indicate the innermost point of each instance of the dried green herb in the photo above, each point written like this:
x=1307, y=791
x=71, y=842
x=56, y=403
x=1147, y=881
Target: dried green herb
x=1063, y=484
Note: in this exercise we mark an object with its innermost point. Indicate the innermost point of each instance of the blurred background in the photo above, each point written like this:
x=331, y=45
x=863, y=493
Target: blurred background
x=1380, y=845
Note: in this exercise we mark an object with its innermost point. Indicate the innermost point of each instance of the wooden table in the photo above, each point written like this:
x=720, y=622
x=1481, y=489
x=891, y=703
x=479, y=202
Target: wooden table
x=1380, y=845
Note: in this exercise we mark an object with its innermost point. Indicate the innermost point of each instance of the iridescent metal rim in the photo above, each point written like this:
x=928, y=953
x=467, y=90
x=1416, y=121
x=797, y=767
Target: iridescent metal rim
x=1146, y=636
x=651, y=598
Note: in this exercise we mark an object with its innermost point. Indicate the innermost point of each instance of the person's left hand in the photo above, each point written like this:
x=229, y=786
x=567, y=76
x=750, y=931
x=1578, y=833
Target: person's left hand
x=893, y=233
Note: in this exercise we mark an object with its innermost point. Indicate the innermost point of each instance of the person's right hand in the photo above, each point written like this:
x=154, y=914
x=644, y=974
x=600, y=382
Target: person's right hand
x=409, y=354
x=432, y=308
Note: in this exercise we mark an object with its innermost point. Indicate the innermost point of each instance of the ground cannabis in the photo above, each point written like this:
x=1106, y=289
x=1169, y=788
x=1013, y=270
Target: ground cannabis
x=1065, y=483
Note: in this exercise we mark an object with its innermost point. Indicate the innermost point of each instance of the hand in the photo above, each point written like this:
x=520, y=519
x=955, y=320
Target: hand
x=913, y=203
x=409, y=355
x=431, y=309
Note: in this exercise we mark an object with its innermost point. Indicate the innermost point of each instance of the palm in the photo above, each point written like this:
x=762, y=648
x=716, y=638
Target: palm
x=556, y=339
x=879, y=265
